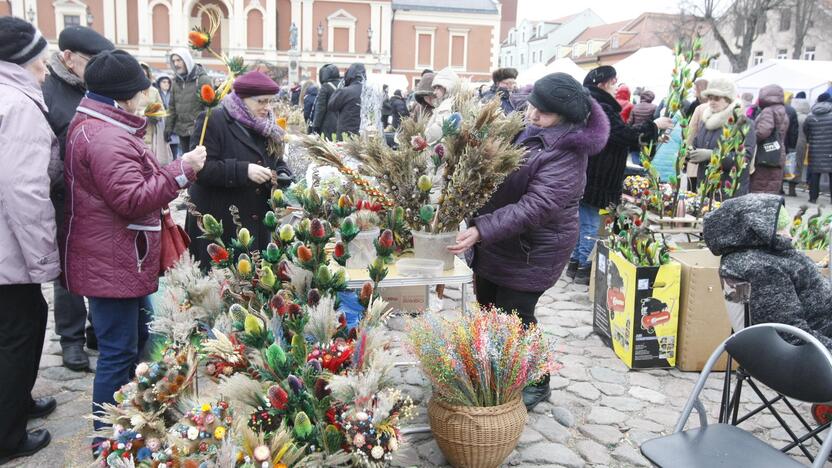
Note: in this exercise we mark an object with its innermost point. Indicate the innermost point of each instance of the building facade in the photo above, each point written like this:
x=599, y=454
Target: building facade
x=530, y=43
x=297, y=35
x=775, y=39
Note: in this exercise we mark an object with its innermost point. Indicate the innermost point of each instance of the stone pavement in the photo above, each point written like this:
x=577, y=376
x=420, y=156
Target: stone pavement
x=598, y=414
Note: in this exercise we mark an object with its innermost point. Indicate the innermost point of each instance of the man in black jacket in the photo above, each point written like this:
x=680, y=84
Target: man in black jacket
x=399, y=108
x=62, y=92
x=324, y=121
x=605, y=171
x=346, y=102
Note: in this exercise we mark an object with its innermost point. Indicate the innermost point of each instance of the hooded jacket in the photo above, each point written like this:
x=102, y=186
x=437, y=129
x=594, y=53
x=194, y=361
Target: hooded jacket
x=184, y=104
x=529, y=227
x=622, y=95
x=346, y=102
x=786, y=286
x=643, y=111
x=399, y=109
x=818, y=131
x=324, y=121
x=115, y=193
x=449, y=80
x=605, y=172
x=772, y=116
x=29, y=252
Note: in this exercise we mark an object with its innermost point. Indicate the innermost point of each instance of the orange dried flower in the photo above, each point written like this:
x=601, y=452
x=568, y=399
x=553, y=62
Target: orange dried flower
x=199, y=40
x=281, y=122
x=207, y=94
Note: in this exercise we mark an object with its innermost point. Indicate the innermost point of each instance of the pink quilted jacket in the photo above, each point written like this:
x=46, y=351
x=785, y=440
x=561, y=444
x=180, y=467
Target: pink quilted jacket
x=115, y=193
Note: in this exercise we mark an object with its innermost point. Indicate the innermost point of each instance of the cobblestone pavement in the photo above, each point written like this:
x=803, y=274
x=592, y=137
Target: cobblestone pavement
x=598, y=414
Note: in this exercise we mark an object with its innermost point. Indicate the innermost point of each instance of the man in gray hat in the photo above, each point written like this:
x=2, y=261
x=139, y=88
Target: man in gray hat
x=62, y=91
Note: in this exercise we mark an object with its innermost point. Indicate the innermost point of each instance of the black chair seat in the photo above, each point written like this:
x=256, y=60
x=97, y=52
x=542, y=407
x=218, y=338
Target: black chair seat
x=714, y=445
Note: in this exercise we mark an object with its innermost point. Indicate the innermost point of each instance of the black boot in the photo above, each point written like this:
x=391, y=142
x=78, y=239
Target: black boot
x=571, y=268
x=42, y=407
x=792, y=189
x=536, y=393
x=75, y=358
x=582, y=275
x=31, y=444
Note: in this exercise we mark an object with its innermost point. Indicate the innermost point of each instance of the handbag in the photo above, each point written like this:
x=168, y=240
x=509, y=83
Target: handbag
x=174, y=242
x=768, y=150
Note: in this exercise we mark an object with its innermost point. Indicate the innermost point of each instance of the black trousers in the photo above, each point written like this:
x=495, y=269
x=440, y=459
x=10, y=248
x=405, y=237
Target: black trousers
x=23, y=314
x=507, y=299
x=184, y=143
x=70, y=316
x=814, y=184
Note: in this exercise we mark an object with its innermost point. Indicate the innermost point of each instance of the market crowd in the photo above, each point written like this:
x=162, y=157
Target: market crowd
x=88, y=170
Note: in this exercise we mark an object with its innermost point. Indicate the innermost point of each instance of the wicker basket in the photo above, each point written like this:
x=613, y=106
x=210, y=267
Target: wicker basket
x=477, y=437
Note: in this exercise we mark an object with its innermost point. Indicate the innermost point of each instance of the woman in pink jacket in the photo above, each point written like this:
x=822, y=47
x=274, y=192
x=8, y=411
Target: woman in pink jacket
x=28, y=252
x=115, y=193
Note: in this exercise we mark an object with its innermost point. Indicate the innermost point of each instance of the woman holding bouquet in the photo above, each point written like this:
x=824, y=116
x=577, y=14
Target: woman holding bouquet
x=115, y=193
x=523, y=237
x=245, y=146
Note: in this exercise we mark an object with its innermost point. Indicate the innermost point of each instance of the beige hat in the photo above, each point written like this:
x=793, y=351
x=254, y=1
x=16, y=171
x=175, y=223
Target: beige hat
x=721, y=86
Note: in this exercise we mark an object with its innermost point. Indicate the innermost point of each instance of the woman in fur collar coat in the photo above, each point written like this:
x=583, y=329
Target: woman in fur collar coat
x=721, y=98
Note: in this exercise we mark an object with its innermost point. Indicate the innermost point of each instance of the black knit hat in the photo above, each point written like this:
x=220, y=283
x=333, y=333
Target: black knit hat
x=20, y=42
x=115, y=74
x=824, y=97
x=599, y=75
x=559, y=93
x=501, y=74
x=83, y=40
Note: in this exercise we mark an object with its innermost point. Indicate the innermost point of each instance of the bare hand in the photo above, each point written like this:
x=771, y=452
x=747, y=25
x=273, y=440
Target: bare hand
x=465, y=240
x=195, y=158
x=663, y=123
x=259, y=174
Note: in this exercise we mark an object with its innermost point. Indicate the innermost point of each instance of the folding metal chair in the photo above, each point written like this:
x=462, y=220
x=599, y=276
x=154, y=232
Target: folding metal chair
x=802, y=372
x=738, y=305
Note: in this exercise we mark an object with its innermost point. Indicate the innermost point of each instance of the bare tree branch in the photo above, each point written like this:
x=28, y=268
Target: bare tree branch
x=804, y=11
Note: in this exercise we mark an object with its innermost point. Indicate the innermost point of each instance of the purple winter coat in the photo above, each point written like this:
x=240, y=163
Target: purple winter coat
x=115, y=193
x=530, y=226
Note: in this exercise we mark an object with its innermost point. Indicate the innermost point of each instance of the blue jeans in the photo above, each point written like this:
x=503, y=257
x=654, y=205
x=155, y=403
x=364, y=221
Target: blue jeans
x=590, y=222
x=121, y=328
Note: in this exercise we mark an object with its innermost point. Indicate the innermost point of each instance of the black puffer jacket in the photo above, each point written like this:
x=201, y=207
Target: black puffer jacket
x=818, y=130
x=605, y=171
x=323, y=121
x=786, y=286
x=399, y=110
x=346, y=102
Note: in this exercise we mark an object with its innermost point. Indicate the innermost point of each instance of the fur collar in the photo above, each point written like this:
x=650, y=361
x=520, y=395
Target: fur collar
x=587, y=139
x=717, y=120
x=57, y=67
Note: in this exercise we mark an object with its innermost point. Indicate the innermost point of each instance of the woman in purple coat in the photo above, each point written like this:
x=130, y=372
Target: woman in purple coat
x=523, y=237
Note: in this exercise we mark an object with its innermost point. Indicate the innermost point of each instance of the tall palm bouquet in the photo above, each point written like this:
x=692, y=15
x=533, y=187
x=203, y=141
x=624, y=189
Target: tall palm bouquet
x=483, y=358
x=438, y=184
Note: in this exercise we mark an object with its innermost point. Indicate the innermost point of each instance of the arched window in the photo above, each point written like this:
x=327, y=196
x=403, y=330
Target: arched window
x=254, y=29
x=161, y=24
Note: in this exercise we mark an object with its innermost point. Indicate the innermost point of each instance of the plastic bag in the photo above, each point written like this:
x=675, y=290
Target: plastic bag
x=790, y=169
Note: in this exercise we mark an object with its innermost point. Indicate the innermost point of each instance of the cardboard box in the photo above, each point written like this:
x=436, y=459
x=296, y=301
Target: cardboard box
x=405, y=298
x=703, y=319
x=636, y=309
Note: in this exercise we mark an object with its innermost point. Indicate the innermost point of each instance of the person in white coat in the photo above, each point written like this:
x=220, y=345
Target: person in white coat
x=28, y=247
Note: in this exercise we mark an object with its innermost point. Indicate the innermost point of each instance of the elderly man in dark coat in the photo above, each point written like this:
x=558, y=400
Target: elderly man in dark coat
x=818, y=131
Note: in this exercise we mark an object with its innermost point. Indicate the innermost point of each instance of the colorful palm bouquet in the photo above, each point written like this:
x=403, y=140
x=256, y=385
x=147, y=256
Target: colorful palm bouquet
x=731, y=144
x=299, y=371
x=813, y=234
x=483, y=358
x=630, y=237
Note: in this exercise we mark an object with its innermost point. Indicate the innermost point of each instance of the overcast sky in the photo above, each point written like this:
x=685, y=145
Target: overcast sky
x=610, y=10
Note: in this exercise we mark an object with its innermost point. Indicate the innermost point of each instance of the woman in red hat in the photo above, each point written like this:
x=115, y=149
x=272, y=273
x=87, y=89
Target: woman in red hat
x=244, y=145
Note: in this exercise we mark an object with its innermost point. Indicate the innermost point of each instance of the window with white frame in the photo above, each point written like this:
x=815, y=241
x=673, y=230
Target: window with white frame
x=425, y=40
x=341, y=20
x=458, y=48
x=70, y=13
x=809, y=53
x=782, y=54
x=757, y=58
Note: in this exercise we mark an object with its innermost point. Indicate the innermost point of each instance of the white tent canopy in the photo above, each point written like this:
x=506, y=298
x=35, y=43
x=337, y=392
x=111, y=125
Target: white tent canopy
x=810, y=76
x=562, y=65
x=392, y=80
x=650, y=68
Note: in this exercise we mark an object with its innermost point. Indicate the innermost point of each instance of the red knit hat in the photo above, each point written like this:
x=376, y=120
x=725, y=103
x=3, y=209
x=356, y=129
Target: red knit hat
x=255, y=83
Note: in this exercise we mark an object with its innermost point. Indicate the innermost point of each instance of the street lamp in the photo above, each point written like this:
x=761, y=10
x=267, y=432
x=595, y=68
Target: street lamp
x=90, y=17
x=369, y=39
x=320, y=36
x=30, y=13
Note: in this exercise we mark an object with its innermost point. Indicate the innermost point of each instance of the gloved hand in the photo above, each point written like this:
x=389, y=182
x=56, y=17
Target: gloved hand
x=700, y=155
